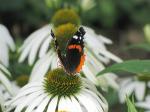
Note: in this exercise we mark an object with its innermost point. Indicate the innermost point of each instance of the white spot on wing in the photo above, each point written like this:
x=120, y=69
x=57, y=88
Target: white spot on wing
x=75, y=37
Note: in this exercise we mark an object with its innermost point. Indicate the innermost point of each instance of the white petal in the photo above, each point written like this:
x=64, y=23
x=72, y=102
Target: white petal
x=52, y=105
x=28, y=91
x=140, y=90
x=30, y=85
x=14, y=104
x=25, y=53
x=32, y=44
x=4, y=70
x=17, y=100
x=89, y=74
x=93, y=43
x=45, y=46
x=97, y=53
x=2, y=100
x=7, y=37
x=88, y=84
x=6, y=83
x=126, y=90
x=4, y=53
x=145, y=105
x=90, y=103
x=69, y=105
x=43, y=104
x=34, y=35
x=35, y=103
x=111, y=80
x=102, y=101
x=104, y=39
x=110, y=55
x=35, y=48
x=55, y=61
x=99, y=37
x=94, y=64
x=40, y=68
x=28, y=99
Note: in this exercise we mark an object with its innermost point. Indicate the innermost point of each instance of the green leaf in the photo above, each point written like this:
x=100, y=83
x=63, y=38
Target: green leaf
x=143, y=46
x=132, y=66
x=131, y=105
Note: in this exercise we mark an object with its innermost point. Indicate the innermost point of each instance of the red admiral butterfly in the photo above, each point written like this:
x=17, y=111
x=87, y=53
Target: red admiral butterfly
x=74, y=57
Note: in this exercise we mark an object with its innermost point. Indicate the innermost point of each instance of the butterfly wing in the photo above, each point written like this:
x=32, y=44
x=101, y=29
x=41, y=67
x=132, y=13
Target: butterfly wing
x=75, y=52
x=60, y=56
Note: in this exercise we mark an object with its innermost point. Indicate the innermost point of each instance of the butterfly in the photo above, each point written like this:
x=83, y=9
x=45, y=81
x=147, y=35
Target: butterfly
x=74, y=57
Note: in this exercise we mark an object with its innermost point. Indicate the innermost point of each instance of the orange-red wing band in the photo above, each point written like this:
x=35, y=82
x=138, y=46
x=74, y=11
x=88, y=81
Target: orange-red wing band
x=75, y=47
x=82, y=60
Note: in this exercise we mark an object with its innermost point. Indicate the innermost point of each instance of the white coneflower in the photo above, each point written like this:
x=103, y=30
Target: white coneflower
x=59, y=92
x=134, y=85
x=144, y=104
x=6, y=43
x=38, y=43
x=6, y=90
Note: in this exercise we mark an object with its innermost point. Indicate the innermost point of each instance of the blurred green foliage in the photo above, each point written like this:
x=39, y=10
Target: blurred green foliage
x=28, y=11
x=131, y=105
x=118, y=13
x=100, y=13
x=17, y=69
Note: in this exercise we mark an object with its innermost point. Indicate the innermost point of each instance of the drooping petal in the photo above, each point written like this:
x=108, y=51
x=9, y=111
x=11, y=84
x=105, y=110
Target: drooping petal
x=91, y=102
x=5, y=70
x=52, y=105
x=35, y=103
x=6, y=83
x=7, y=37
x=126, y=89
x=69, y=105
x=144, y=104
x=41, y=67
x=44, y=47
x=4, y=54
x=36, y=47
x=140, y=90
x=33, y=43
x=43, y=105
x=28, y=99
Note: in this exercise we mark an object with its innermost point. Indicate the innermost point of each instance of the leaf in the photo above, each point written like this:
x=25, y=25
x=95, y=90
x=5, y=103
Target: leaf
x=130, y=105
x=143, y=46
x=132, y=66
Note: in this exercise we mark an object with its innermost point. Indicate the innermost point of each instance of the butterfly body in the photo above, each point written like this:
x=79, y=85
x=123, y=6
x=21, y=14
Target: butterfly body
x=74, y=57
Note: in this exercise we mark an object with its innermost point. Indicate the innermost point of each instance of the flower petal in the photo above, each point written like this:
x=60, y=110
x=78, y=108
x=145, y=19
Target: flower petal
x=69, y=105
x=45, y=46
x=52, y=105
x=41, y=67
x=140, y=90
x=43, y=105
x=35, y=103
x=6, y=83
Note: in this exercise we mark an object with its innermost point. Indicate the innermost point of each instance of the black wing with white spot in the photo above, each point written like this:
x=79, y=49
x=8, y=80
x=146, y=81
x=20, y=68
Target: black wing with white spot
x=74, y=50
